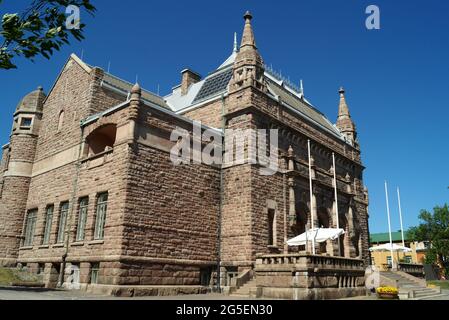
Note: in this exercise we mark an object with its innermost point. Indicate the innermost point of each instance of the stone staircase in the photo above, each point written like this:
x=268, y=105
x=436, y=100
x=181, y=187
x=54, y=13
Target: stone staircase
x=247, y=290
x=409, y=287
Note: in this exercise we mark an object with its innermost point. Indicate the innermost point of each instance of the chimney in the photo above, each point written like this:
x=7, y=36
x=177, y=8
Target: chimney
x=189, y=77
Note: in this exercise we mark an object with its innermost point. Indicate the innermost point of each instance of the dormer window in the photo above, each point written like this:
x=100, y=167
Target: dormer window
x=25, y=123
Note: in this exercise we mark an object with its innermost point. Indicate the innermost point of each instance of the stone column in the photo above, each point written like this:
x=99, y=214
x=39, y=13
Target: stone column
x=336, y=243
x=291, y=202
x=291, y=189
x=134, y=105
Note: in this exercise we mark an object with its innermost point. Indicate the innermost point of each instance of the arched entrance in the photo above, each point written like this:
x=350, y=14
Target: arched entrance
x=302, y=213
x=324, y=221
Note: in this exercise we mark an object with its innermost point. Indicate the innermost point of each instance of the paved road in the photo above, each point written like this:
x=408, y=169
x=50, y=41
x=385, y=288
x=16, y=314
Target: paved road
x=43, y=294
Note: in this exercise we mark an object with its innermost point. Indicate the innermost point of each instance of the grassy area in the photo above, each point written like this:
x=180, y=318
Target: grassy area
x=442, y=284
x=13, y=276
x=7, y=276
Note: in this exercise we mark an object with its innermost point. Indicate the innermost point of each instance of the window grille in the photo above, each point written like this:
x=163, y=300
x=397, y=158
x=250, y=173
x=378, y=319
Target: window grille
x=102, y=204
x=82, y=218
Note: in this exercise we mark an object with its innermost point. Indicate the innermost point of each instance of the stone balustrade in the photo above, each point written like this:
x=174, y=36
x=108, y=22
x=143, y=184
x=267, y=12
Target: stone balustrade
x=311, y=261
x=416, y=270
x=304, y=276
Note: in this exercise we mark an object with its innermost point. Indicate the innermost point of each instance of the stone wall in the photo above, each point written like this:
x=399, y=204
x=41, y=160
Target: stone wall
x=171, y=211
x=209, y=114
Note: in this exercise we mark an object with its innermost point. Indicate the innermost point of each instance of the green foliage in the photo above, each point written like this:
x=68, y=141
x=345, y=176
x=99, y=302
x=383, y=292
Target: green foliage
x=39, y=31
x=435, y=229
x=10, y=276
x=442, y=284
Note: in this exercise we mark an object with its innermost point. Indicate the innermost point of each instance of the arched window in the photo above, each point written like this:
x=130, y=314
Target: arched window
x=271, y=227
x=323, y=218
x=302, y=213
x=324, y=221
x=60, y=120
x=101, y=139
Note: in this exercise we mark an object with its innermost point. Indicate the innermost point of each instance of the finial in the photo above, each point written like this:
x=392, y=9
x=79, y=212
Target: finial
x=341, y=91
x=40, y=88
x=136, y=89
x=301, y=87
x=235, y=42
x=247, y=16
x=290, y=151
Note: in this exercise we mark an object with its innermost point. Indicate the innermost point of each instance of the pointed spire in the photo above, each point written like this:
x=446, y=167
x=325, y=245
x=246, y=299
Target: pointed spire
x=136, y=92
x=248, y=34
x=236, y=48
x=248, y=64
x=343, y=109
x=136, y=88
x=344, y=121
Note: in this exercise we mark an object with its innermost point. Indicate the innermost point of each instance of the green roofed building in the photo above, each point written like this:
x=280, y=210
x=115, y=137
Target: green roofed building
x=383, y=259
x=378, y=238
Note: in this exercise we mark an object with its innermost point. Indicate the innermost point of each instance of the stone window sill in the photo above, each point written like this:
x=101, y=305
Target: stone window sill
x=44, y=246
x=98, y=155
x=272, y=247
x=77, y=244
x=58, y=245
x=94, y=242
x=27, y=248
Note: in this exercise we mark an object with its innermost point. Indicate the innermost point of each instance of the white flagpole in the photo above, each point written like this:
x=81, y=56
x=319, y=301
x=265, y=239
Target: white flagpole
x=389, y=226
x=400, y=218
x=311, y=196
x=336, y=202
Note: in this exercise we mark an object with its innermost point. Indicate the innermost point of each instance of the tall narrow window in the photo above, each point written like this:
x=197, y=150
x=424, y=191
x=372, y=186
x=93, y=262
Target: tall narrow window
x=48, y=224
x=60, y=120
x=102, y=205
x=271, y=227
x=82, y=218
x=30, y=226
x=94, y=272
x=62, y=222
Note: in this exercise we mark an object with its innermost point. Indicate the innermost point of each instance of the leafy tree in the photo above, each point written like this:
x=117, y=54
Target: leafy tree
x=40, y=30
x=435, y=229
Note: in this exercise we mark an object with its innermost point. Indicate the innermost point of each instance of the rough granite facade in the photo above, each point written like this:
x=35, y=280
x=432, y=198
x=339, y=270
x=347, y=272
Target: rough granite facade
x=90, y=197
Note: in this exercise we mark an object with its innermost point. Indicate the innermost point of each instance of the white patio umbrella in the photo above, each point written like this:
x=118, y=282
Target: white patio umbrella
x=388, y=247
x=317, y=235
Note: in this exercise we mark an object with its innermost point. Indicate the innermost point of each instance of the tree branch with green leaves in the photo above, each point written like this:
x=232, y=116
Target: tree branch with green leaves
x=39, y=31
x=434, y=229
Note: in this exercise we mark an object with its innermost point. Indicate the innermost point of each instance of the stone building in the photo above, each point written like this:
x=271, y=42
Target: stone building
x=90, y=198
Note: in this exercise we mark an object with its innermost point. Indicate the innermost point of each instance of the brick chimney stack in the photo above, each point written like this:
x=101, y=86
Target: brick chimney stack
x=189, y=77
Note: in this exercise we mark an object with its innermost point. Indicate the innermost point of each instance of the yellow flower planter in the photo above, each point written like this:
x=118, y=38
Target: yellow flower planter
x=387, y=293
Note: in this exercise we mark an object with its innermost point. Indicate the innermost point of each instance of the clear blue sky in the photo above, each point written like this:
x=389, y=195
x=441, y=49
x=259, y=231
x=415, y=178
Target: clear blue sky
x=397, y=78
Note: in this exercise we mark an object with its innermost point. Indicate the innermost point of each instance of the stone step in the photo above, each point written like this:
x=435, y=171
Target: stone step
x=433, y=297
x=425, y=290
x=245, y=290
x=425, y=294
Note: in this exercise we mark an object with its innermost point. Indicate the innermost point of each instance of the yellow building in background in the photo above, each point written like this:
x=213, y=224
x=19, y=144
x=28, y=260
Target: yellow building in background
x=382, y=260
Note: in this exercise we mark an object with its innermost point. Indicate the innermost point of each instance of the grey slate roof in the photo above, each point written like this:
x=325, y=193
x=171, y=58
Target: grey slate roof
x=213, y=85
x=217, y=83
x=301, y=106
